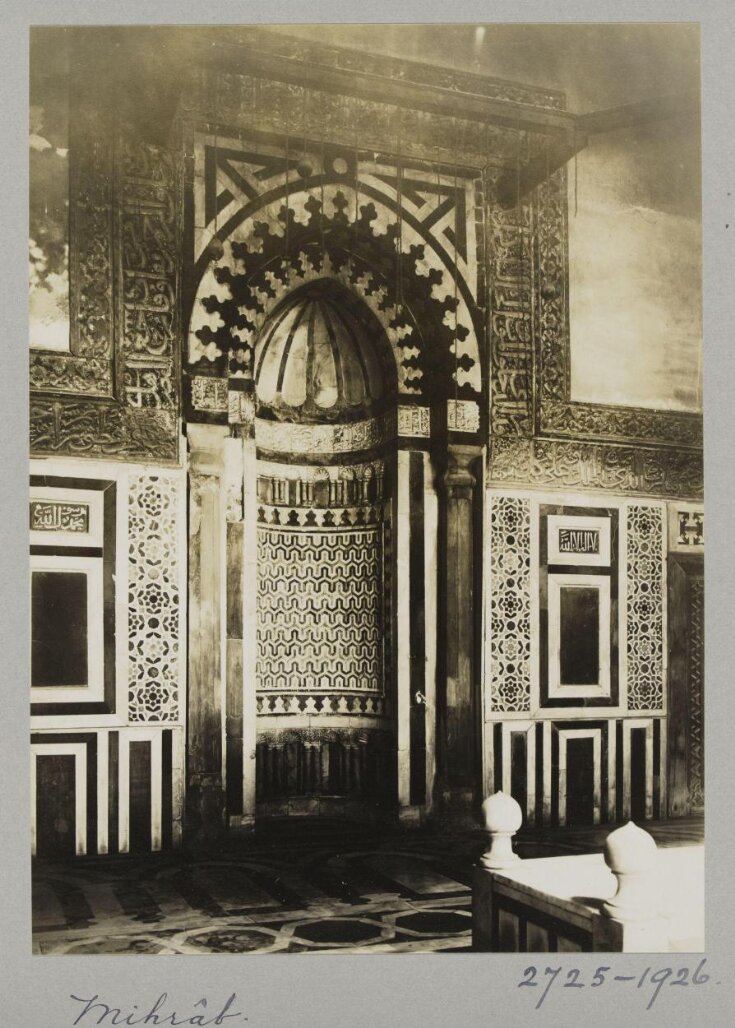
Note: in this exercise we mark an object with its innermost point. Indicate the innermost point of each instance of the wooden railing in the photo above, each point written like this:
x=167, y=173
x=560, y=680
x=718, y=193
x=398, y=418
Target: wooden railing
x=632, y=898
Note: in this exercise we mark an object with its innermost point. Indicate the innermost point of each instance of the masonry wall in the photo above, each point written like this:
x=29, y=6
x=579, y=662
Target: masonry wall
x=107, y=756
x=594, y=750
x=192, y=215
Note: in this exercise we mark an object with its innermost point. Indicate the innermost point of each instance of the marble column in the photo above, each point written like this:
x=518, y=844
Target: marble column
x=415, y=541
x=403, y=633
x=249, y=652
x=431, y=541
x=457, y=713
x=205, y=801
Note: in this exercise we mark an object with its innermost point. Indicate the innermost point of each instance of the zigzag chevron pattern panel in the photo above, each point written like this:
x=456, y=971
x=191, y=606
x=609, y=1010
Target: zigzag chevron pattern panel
x=320, y=610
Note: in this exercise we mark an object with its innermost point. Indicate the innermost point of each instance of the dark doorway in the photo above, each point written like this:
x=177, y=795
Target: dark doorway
x=140, y=796
x=638, y=774
x=55, y=805
x=686, y=684
x=580, y=782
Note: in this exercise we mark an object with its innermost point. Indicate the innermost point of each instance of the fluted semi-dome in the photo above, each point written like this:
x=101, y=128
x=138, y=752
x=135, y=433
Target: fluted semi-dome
x=322, y=356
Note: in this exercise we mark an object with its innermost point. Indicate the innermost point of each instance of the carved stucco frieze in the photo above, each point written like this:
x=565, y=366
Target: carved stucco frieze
x=66, y=373
x=90, y=223
x=148, y=260
x=529, y=288
x=570, y=464
x=125, y=241
x=587, y=420
x=557, y=413
x=511, y=319
x=87, y=367
x=552, y=325
x=85, y=428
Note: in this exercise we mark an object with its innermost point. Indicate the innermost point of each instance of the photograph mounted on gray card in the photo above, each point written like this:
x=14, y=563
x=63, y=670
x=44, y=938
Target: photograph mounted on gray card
x=366, y=489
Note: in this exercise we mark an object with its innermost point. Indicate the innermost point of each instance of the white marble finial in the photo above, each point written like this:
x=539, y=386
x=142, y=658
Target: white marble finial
x=631, y=854
x=503, y=817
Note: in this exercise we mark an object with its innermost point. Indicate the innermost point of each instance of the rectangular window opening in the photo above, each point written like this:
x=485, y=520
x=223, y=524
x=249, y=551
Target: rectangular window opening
x=59, y=629
x=579, y=635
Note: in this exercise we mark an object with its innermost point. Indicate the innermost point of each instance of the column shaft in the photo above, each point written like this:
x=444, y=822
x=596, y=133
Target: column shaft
x=403, y=626
x=458, y=730
x=250, y=589
x=207, y=643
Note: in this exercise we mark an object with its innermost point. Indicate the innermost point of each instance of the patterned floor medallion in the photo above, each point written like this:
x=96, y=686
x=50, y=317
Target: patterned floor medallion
x=305, y=888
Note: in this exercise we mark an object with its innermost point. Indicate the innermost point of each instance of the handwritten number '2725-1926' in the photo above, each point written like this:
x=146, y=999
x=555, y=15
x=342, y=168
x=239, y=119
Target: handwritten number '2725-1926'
x=603, y=976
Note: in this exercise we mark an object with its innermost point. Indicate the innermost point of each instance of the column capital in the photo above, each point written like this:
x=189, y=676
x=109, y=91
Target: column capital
x=207, y=448
x=458, y=478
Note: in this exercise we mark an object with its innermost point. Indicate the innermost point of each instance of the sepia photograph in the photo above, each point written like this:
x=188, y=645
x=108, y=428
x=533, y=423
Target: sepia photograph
x=365, y=509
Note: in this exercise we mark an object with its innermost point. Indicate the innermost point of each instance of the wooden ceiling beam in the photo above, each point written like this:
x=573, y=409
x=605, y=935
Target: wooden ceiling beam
x=643, y=112
x=515, y=183
x=398, y=93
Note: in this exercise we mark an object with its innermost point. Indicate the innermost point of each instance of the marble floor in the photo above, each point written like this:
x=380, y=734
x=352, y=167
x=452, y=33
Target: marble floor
x=289, y=887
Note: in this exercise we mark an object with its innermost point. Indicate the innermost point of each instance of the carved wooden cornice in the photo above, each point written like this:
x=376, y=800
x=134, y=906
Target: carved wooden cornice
x=161, y=53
